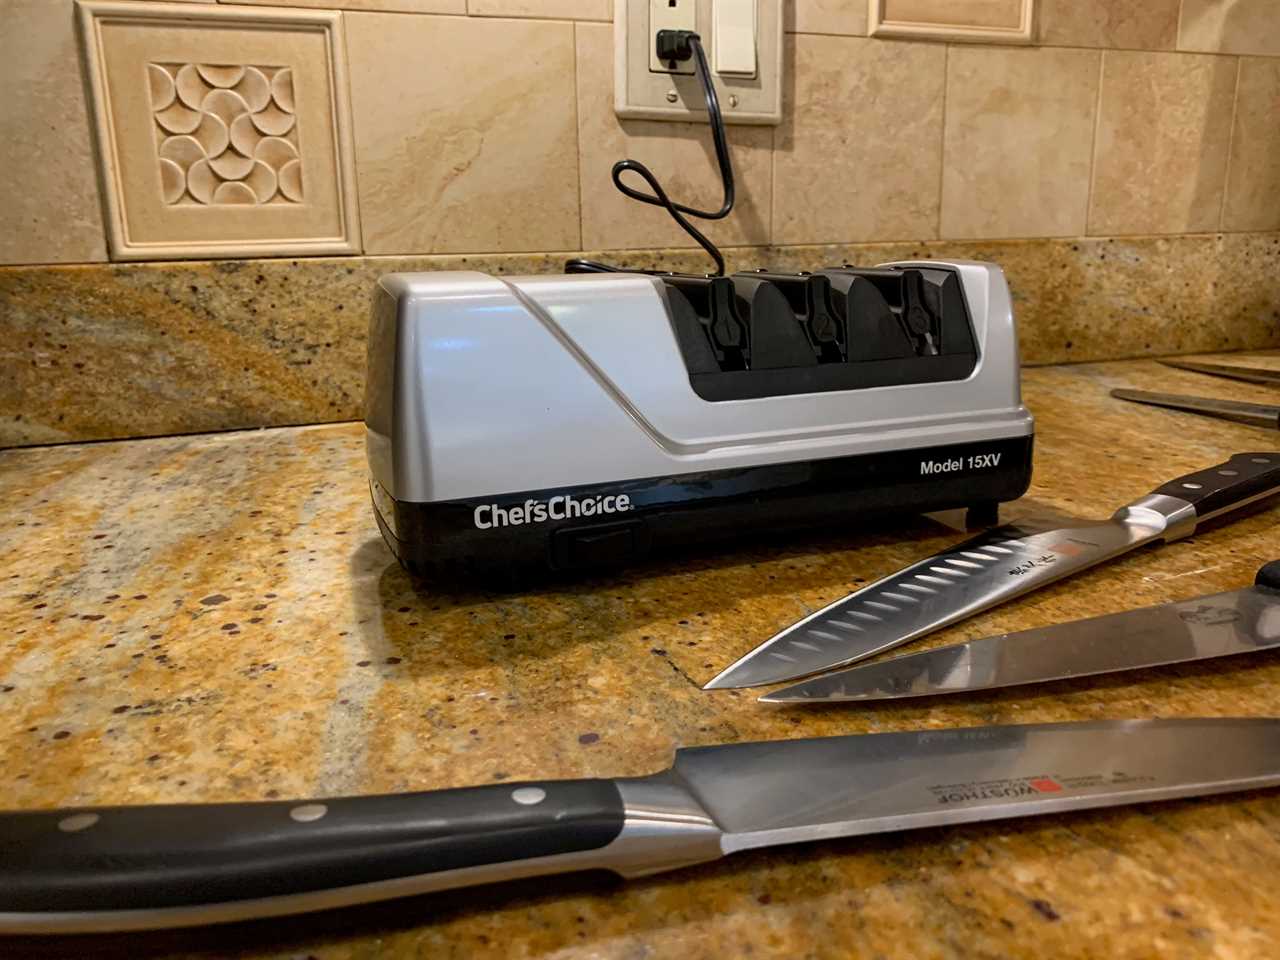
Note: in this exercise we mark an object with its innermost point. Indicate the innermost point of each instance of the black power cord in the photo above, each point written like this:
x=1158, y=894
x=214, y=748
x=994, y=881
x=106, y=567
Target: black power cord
x=674, y=46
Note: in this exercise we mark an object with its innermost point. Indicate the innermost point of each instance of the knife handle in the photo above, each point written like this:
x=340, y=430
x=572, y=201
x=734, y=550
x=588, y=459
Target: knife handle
x=1244, y=478
x=198, y=860
x=1269, y=576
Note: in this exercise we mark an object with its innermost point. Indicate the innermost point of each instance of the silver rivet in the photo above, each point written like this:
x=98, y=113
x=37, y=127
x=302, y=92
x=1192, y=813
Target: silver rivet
x=1261, y=459
x=1192, y=486
x=672, y=96
x=308, y=812
x=733, y=101
x=1228, y=473
x=528, y=796
x=77, y=822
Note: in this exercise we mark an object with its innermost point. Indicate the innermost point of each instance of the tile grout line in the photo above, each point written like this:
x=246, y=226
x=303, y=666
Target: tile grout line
x=577, y=133
x=1093, y=147
x=354, y=259
x=942, y=144
x=770, y=239
x=349, y=93
x=1231, y=144
x=773, y=181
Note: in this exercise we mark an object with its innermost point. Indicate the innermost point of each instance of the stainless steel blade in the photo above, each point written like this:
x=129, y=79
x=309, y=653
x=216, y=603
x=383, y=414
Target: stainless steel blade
x=788, y=791
x=1248, y=374
x=1000, y=565
x=1254, y=414
x=1220, y=625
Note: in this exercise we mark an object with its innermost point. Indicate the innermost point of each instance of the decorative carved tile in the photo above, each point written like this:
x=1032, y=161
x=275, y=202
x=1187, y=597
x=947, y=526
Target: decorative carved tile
x=982, y=21
x=221, y=132
x=225, y=133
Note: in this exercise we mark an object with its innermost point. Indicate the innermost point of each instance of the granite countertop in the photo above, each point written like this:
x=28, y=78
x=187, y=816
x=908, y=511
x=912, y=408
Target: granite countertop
x=215, y=617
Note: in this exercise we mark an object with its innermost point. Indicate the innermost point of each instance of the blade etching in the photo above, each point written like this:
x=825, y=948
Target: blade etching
x=874, y=783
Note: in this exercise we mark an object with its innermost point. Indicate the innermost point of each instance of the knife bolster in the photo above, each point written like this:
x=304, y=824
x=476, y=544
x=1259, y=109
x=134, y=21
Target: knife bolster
x=665, y=828
x=1160, y=516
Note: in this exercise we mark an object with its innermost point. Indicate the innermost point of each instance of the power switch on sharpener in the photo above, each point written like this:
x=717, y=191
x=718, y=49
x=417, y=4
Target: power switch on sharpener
x=601, y=545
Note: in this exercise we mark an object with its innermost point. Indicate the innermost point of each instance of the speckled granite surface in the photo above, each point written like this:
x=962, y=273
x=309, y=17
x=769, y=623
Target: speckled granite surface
x=91, y=352
x=216, y=618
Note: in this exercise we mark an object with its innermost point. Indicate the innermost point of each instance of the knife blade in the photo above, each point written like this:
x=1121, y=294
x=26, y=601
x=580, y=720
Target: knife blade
x=1004, y=563
x=149, y=867
x=1248, y=374
x=1254, y=414
x=1203, y=628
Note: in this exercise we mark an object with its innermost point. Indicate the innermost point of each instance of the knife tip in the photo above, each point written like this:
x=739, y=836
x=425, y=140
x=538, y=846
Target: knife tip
x=724, y=681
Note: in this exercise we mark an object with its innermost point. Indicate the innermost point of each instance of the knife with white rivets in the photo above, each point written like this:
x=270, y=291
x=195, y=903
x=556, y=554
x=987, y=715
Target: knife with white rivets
x=147, y=867
x=1002, y=564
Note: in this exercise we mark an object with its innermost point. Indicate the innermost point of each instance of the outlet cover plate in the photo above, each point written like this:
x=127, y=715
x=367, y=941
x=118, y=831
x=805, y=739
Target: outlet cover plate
x=640, y=93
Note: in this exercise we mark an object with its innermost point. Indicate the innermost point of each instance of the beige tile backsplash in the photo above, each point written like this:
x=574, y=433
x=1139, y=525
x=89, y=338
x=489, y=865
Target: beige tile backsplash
x=49, y=205
x=1253, y=177
x=847, y=17
x=466, y=135
x=1231, y=26
x=487, y=126
x=546, y=9
x=393, y=6
x=858, y=154
x=1164, y=132
x=1127, y=24
x=1019, y=136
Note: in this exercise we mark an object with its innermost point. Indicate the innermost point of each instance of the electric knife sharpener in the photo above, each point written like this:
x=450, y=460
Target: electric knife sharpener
x=581, y=421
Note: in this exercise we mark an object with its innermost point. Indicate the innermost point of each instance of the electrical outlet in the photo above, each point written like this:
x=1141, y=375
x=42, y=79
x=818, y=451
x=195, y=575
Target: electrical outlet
x=644, y=88
x=670, y=15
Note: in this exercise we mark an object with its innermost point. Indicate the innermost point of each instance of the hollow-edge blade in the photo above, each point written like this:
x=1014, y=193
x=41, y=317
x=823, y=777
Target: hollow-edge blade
x=1232, y=372
x=1220, y=625
x=980, y=573
x=789, y=791
x=1254, y=414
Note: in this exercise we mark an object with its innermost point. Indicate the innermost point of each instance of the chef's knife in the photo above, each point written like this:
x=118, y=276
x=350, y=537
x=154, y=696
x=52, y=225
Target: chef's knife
x=1220, y=625
x=1248, y=374
x=131, y=868
x=997, y=566
x=1254, y=414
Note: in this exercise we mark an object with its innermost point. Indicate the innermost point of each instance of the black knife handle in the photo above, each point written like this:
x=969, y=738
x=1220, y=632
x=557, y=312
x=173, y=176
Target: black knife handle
x=146, y=858
x=1269, y=576
x=1242, y=479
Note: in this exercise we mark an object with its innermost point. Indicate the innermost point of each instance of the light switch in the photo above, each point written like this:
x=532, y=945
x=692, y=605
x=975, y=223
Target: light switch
x=743, y=40
x=733, y=33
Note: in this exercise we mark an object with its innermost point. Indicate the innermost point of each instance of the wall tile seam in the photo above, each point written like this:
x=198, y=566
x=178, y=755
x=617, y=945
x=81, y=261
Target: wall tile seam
x=1093, y=146
x=814, y=33
x=1274, y=235
x=1231, y=143
x=491, y=253
x=942, y=145
x=577, y=134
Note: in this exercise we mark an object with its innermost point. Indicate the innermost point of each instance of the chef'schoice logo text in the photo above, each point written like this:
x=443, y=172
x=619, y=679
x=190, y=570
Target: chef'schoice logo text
x=487, y=516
